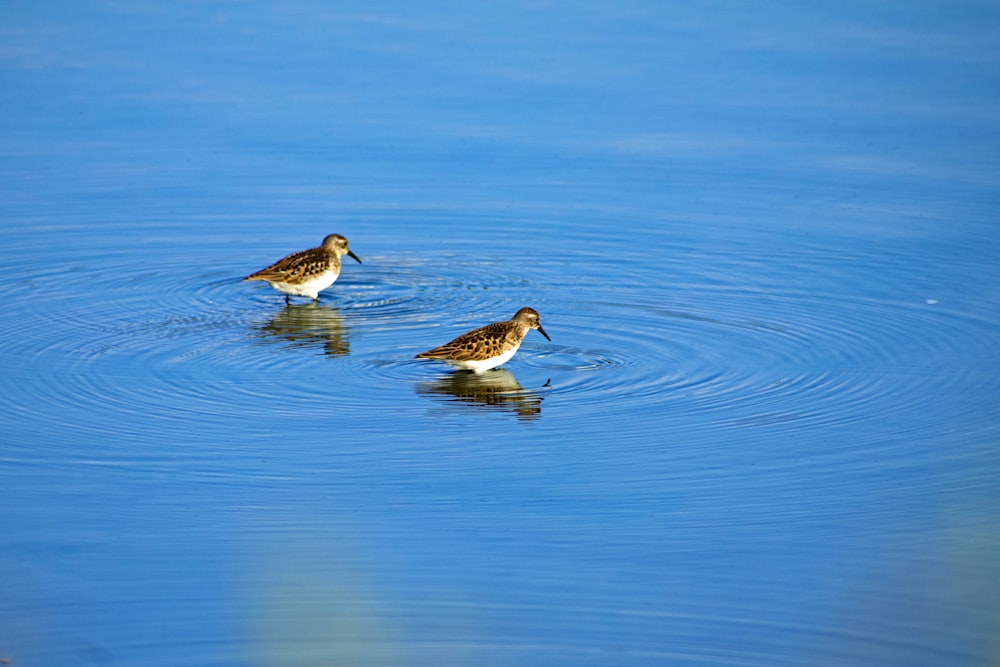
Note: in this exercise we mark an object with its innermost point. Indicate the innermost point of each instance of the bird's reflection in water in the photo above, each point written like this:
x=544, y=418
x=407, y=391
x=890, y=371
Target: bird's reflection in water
x=309, y=325
x=497, y=389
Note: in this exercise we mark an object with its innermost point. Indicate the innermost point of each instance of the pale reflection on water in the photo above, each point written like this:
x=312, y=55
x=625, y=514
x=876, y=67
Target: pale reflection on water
x=308, y=325
x=496, y=389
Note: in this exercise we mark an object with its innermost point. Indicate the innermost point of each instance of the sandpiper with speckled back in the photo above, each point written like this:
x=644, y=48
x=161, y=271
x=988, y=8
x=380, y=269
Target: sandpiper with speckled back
x=308, y=272
x=487, y=347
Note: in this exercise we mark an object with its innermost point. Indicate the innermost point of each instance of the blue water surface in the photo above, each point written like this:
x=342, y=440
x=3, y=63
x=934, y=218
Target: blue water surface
x=763, y=240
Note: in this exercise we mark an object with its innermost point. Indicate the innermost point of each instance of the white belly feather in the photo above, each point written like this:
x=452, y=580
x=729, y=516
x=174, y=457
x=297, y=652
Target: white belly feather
x=483, y=365
x=311, y=287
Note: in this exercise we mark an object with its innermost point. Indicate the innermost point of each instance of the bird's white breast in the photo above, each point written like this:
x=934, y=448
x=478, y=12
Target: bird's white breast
x=310, y=287
x=483, y=365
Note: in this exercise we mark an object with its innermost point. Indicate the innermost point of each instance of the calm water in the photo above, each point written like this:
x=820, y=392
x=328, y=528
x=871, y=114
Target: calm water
x=765, y=244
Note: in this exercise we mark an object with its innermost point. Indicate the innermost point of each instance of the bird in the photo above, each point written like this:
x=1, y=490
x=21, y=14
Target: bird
x=489, y=346
x=307, y=272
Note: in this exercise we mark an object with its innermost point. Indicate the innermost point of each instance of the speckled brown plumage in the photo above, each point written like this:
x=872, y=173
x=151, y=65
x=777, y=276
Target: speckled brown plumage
x=482, y=343
x=488, y=346
x=307, y=272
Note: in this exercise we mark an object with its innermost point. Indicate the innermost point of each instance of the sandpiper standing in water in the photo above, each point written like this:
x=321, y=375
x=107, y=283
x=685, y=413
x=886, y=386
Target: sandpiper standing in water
x=308, y=272
x=489, y=346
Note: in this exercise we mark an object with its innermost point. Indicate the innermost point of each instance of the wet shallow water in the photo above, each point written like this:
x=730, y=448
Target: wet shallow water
x=764, y=431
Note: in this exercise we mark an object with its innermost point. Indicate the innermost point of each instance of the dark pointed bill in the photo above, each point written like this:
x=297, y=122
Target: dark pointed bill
x=542, y=331
x=354, y=256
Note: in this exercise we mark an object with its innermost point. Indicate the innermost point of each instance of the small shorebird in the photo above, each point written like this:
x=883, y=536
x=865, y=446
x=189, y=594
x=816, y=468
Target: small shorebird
x=308, y=272
x=489, y=346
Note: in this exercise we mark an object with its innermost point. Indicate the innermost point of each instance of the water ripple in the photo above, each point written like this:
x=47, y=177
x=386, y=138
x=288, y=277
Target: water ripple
x=725, y=357
x=755, y=360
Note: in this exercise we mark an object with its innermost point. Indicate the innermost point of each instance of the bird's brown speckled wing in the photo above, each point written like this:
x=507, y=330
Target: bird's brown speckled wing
x=296, y=267
x=482, y=343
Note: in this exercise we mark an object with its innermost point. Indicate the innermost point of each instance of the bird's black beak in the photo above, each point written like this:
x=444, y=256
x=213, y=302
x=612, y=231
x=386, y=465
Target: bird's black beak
x=354, y=256
x=542, y=331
